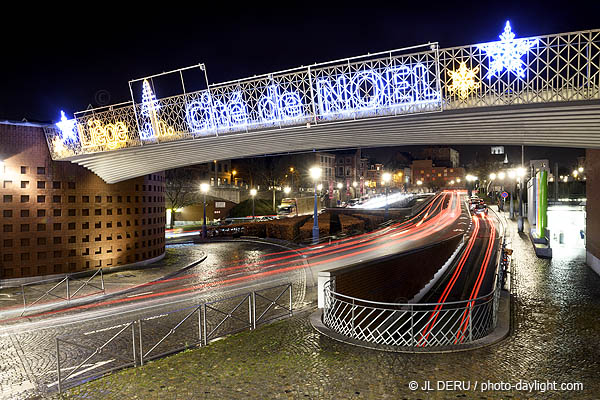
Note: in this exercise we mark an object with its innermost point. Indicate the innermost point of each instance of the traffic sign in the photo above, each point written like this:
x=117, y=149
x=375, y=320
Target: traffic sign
x=504, y=195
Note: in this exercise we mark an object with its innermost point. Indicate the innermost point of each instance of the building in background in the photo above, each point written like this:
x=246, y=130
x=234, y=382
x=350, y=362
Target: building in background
x=441, y=156
x=433, y=176
x=58, y=217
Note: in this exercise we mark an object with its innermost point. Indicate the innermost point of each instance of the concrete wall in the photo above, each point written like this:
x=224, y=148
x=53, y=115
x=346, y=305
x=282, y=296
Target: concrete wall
x=592, y=170
x=396, y=278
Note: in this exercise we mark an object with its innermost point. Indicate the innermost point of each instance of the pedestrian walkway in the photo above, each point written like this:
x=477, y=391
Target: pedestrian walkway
x=177, y=257
x=554, y=338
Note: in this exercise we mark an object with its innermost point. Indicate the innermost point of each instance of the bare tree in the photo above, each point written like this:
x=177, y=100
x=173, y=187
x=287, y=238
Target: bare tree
x=181, y=189
x=273, y=174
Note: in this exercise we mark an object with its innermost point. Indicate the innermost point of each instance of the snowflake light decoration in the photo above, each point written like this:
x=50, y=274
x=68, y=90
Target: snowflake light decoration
x=507, y=53
x=67, y=128
x=463, y=80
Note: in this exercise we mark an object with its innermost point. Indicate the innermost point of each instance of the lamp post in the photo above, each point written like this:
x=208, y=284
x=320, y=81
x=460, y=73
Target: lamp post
x=253, y=194
x=386, y=179
x=204, y=187
x=315, y=174
x=233, y=174
x=520, y=175
x=292, y=173
x=339, y=188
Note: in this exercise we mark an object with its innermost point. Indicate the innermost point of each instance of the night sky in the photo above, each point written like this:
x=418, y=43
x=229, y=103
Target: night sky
x=51, y=61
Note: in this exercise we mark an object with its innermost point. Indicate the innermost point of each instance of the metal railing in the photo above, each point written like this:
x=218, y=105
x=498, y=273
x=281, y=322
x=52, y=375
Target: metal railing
x=411, y=325
x=416, y=324
x=557, y=67
x=63, y=290
x=79, y=359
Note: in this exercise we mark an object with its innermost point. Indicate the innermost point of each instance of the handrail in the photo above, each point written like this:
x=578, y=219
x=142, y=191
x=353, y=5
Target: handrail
x=401, y=305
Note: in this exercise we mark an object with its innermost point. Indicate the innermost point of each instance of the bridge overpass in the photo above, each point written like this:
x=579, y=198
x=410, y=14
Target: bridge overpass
x=533, y=91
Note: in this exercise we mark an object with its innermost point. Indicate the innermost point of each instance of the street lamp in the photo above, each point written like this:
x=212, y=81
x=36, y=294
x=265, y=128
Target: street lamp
x=287, y=190
x=315, y=174
x=580, y=169
x=387, y=177
x=204, y=187
x=292, y=173
x=520, y=176
x=501, y=175
x=233, y=174
x=253, y=194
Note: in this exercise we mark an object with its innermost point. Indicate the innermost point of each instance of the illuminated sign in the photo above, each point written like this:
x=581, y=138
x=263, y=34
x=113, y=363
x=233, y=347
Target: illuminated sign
x=371, y=90
x=366, y=91
x=208, y=113
x=463, y=81
x=98, y=134
x=507, y=53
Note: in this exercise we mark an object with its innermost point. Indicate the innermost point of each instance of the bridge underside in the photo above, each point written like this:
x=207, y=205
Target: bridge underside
x=571, y=124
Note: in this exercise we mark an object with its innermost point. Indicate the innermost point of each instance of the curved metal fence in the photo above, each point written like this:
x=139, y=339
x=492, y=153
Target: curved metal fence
x=411, y=325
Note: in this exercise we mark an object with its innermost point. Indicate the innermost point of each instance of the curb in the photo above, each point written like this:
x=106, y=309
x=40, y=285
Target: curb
x=501, y=332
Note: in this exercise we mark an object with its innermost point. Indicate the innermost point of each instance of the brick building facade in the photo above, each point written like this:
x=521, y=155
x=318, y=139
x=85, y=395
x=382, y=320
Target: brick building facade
x=58, y=217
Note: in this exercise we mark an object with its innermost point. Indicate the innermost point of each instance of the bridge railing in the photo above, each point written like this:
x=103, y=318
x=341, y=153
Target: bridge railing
x=552, y=68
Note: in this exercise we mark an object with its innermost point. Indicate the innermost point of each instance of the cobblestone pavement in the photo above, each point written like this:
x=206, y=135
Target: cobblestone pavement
x=28, y=360
x=555, y=338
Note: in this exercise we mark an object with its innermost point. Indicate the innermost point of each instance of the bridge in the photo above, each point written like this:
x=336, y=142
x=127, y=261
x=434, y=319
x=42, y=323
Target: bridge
x=522, y=91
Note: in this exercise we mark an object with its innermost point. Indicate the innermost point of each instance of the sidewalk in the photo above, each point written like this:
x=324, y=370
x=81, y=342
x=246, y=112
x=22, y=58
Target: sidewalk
x=116, y=281
x=554, y=338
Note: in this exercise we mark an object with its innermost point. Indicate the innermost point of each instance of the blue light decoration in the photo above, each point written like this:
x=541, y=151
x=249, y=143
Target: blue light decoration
x=507, y=53
x=365, y=92
x=274, y=107
x=67, y=128
x=209, y=114
x=371, y=90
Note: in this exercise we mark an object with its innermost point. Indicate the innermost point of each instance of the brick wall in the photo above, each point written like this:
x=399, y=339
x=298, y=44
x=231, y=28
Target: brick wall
x=592, y=171
x=58, y=217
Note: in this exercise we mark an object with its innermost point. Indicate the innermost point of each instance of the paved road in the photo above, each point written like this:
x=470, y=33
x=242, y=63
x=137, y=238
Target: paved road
x=230, y=269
